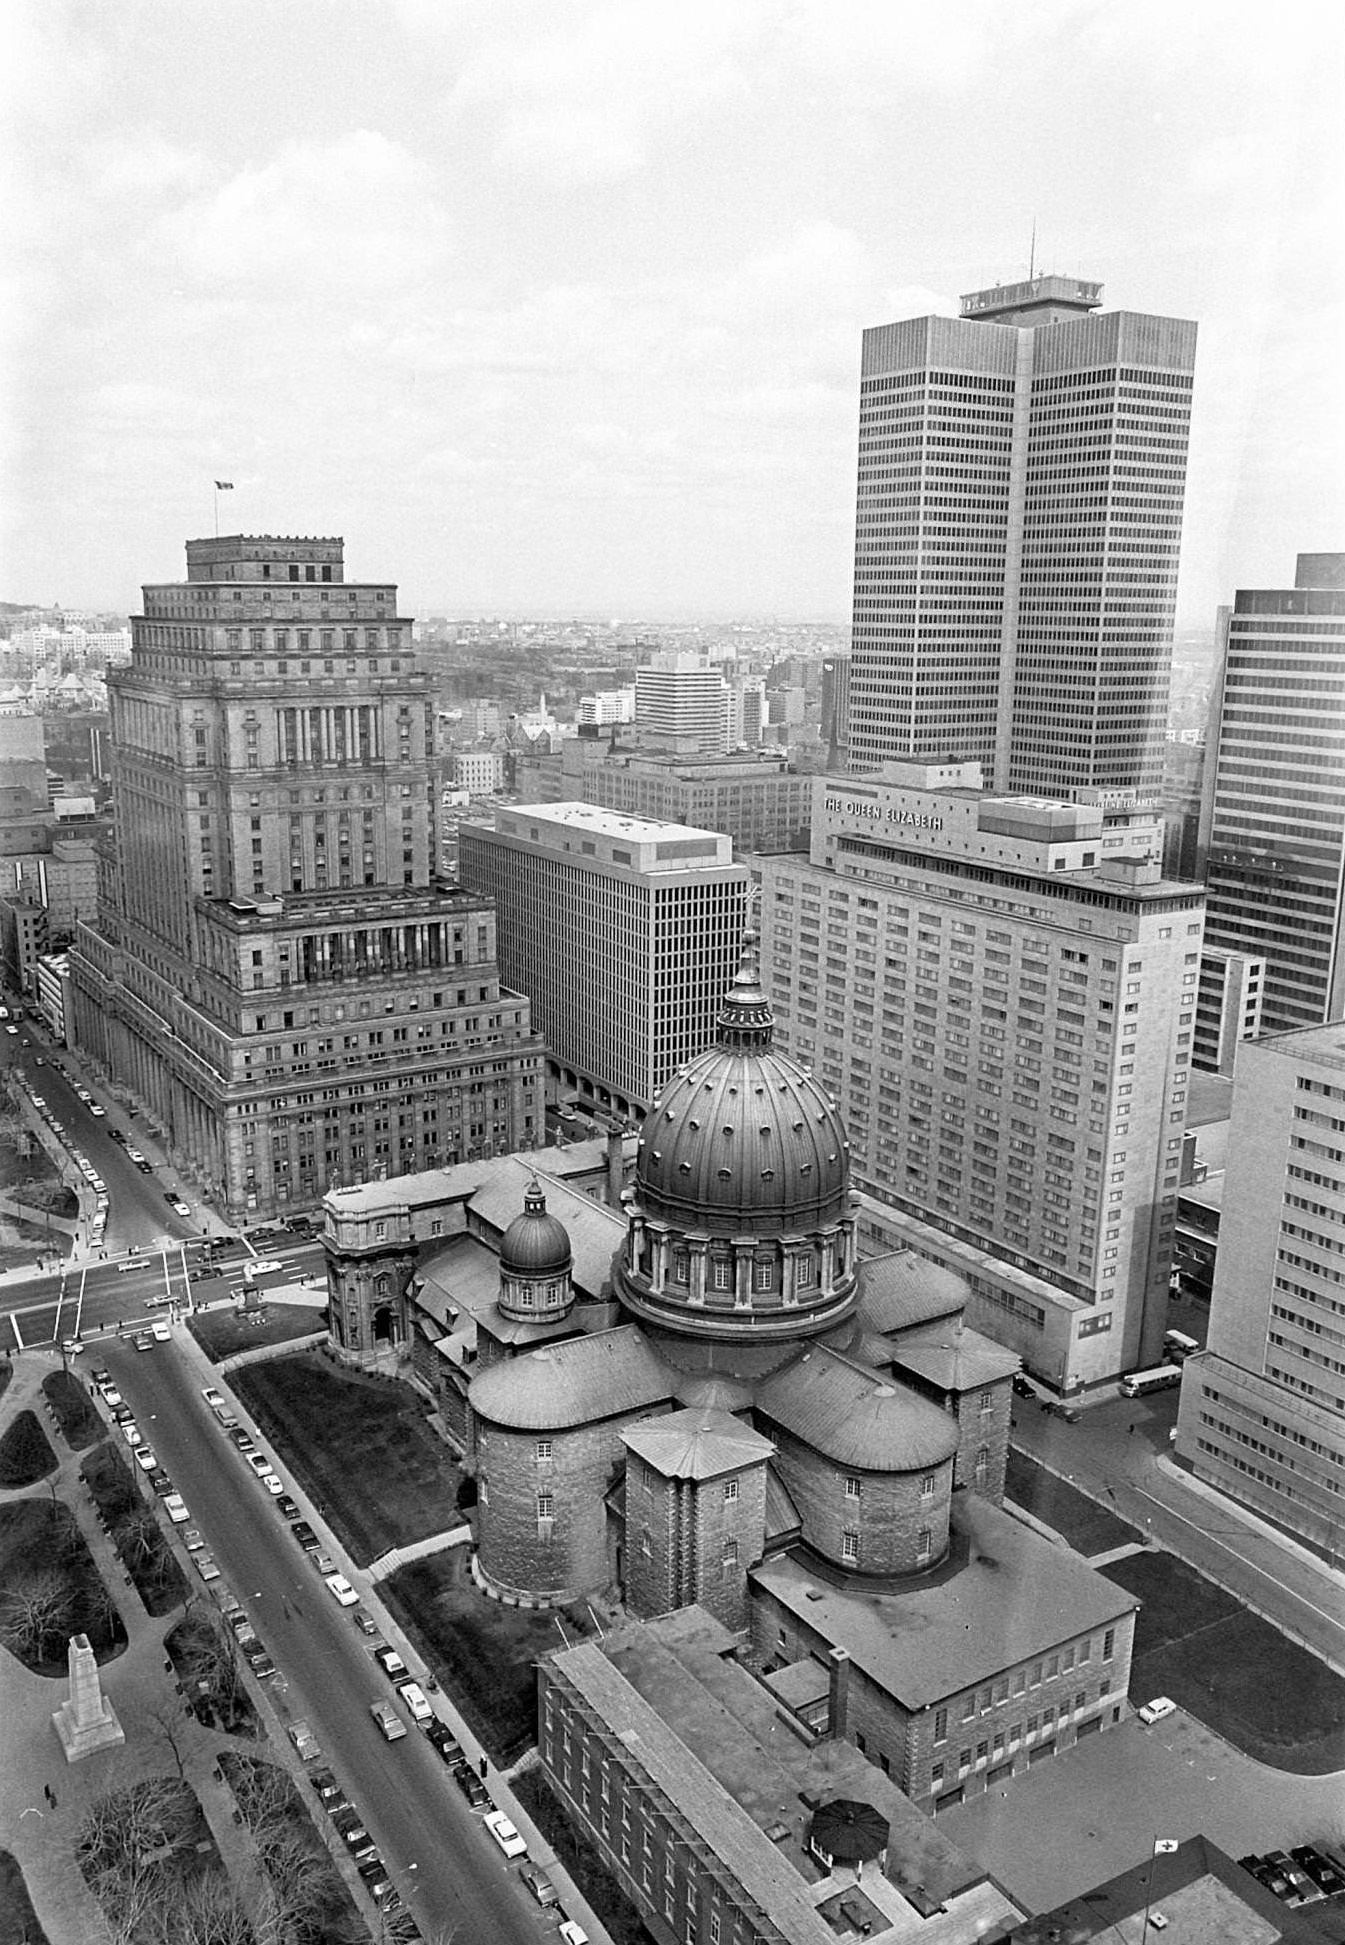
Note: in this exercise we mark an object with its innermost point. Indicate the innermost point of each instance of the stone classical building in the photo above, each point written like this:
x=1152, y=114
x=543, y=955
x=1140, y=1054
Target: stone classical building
x=712, y=1399
x=274, y=975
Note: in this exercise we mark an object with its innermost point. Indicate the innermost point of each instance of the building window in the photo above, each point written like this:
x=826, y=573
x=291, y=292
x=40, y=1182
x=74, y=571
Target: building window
x=940, y=1725
x=850, y=1545
x=924, y=1545
x=1108, y=1644
x=927, y=1486
x=852, y=1488
x=730, y=1489
x=545, y=1504
x=723, y=1274
x=730, y=1553
x=544, y=1448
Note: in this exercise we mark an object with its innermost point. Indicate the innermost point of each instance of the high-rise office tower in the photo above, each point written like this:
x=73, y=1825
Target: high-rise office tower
x=682, y=701
x=623, y=933
x=1021, y=475
x=1000, y=992
x=274, y=975
x=1273, y=816
x=1263, y=1408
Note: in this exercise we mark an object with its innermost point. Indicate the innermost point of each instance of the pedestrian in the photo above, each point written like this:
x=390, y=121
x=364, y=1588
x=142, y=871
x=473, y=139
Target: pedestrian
x=1131, y=1430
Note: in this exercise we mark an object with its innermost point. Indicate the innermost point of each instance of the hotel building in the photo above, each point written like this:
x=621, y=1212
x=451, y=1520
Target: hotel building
x=1021, y=476
x=1001, y=997
x=623, y=933
x=273, y=976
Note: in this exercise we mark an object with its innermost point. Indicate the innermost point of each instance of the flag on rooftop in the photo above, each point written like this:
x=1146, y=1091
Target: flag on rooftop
x=224, y=486
x=1162, y=1845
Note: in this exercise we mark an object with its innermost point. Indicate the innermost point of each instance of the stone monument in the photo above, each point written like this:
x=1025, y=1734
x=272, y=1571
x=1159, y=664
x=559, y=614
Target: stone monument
x=86, y=1720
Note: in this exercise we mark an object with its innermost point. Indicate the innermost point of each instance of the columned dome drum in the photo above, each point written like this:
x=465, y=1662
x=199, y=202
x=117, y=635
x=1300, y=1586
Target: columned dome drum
x=740, y=1217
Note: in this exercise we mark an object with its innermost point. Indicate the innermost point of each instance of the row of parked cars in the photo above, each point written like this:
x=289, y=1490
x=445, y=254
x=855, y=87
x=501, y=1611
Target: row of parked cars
x=143, y=1454
x=1305, y=1875
x=405, y=1687
x=98, y=1227
x=464, y=1774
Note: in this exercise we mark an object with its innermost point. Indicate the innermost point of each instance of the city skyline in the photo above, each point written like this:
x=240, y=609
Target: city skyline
x=561, y=311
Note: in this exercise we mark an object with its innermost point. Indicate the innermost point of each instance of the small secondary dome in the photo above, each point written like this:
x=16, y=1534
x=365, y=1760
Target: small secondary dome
x=535, y=1243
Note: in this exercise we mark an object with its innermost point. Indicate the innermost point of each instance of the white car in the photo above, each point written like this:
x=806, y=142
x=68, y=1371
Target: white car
x=205, y=1566
x=1155, y=1711
x=191, y=1539
x=161, y=1334
x=274, y=1484
x=179, y=1208
x=130, y=1431
x=417, y=1703
x=572, y=1934
x=176, y=1508
x=134, y=1155
x=96, y=1111
x=212, y=1396
x=133, y=1263
x=261, y=1266
x=144, y=1457
x=342, y=1589
x=259, y=1462
x=110, y=1394
x=505, y=1834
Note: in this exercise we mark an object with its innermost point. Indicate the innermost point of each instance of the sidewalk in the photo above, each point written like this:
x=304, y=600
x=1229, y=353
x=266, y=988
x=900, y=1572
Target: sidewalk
x=137, y=1683
x=364, y=1580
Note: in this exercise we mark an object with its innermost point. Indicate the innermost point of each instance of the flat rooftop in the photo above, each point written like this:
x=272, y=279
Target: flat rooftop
x=1007, y=1596
x=579, y=816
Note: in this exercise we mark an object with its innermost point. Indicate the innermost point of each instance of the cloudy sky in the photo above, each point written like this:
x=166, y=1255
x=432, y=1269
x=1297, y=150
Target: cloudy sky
x=556, y=306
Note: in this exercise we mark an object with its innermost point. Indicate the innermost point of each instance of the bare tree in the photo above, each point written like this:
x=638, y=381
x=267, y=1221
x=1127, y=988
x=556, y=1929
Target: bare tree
x=208, y=1910
x=171, y=1721
x=138, y=1537
x=35, y=1611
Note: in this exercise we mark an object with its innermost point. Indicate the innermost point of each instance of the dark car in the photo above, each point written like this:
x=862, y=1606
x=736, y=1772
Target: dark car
x=1021, y=1387
x=306, y=1537
x=242, y=1439
x=445, y=1741
x=325, y=1784
x=471, y=1785
x=363, y=1621
x=1326, y=1875
x=1059, y=1409
x=288, y=1506
x=391, y=1663
x=161, y=1483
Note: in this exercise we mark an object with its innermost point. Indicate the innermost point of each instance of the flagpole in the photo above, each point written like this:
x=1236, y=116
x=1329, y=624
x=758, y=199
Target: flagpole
x=217, y=509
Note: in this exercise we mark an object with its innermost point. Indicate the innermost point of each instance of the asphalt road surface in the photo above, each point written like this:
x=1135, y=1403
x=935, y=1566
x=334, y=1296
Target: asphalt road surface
x=445, y=1865
x=95, y=1297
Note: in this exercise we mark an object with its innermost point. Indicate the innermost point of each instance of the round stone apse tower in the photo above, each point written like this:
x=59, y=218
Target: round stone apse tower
x=741, y=1229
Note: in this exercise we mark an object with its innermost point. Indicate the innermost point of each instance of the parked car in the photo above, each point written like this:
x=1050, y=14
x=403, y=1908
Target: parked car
x=392, y=1664
x=304, y=1741
x=206, y=1567
x=445, y=1741
x=176, y=1508
x=471, y=1785
x=363, y=1621
x=505, y=1835
x=539, y=1884
x=288, y=1506
x=161, y=1483
x=145, y=1459
x=260, y=1464
x=341, y=1589
x=192, y=1540
x=572, y=1934
x=416, y=1701
x=1155, y=1711
x=213, y=1396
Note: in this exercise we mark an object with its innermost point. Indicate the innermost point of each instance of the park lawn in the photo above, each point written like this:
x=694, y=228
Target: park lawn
x=1232, y=1670
x=79, y=1422
x=481, y=1651
x=25, y=1452
x=223, y=1333
x=361, y=1448
x=18, y=1920
x=1088, y=1527
x=599, y=1888
x=291, y=1852
x=40, y=1545
x=145, y=1849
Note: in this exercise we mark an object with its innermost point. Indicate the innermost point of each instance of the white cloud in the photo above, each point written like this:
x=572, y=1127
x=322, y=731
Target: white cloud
x=358, y=213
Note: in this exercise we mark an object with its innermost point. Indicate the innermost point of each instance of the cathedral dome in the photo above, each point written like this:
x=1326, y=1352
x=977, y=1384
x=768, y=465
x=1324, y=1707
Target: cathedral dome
x=535, y=1244
x=741, y=1225
x=742, y=1137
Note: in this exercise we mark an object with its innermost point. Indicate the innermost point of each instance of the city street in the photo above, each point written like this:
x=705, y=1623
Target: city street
x=92, y=1298
x=444, y=1864
x=1132, y=1473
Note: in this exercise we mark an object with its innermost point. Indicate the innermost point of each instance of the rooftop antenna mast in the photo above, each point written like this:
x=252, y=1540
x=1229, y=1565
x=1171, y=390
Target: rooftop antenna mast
x=1032, y=253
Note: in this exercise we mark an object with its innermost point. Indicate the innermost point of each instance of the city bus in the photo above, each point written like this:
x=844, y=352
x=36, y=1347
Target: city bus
x=1139, y=1382
x=1177, y=1345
